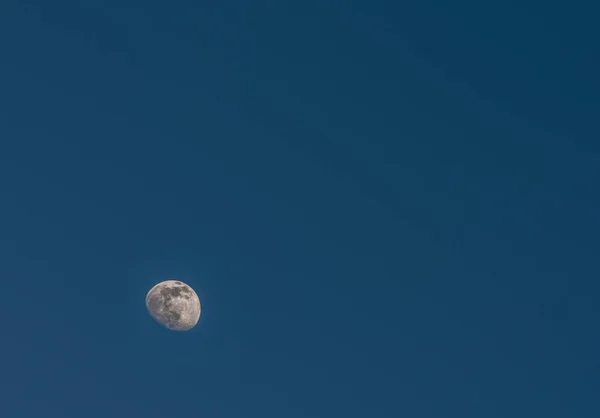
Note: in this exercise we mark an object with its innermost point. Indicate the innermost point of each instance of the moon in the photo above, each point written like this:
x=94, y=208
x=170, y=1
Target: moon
x=174, y=305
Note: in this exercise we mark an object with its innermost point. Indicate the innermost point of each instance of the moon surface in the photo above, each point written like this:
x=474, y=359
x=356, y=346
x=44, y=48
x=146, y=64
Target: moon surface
x=174, y=305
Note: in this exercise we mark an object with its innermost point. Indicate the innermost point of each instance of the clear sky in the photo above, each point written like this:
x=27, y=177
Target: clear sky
x=388, y=209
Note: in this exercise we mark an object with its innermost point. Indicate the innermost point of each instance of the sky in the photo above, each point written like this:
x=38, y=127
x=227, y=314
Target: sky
x=388, y=209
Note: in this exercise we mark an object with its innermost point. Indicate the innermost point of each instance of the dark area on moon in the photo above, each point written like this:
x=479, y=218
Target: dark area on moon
x=169, y=292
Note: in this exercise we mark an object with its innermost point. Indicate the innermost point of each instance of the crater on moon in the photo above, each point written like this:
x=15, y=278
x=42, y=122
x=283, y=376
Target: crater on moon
x=174, y=305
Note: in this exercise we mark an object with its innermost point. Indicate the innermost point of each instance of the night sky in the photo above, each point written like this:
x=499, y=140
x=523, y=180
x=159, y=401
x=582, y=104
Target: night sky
x=388, y=208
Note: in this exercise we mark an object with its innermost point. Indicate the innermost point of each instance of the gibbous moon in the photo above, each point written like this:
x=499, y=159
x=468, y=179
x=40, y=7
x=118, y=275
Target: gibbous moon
x=174, y=305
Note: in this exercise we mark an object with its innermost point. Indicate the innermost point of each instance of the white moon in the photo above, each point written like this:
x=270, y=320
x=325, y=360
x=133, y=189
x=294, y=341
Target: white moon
x=174, y=305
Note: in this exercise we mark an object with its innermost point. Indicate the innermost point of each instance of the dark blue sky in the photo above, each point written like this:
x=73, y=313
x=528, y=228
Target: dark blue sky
x=388, y=209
